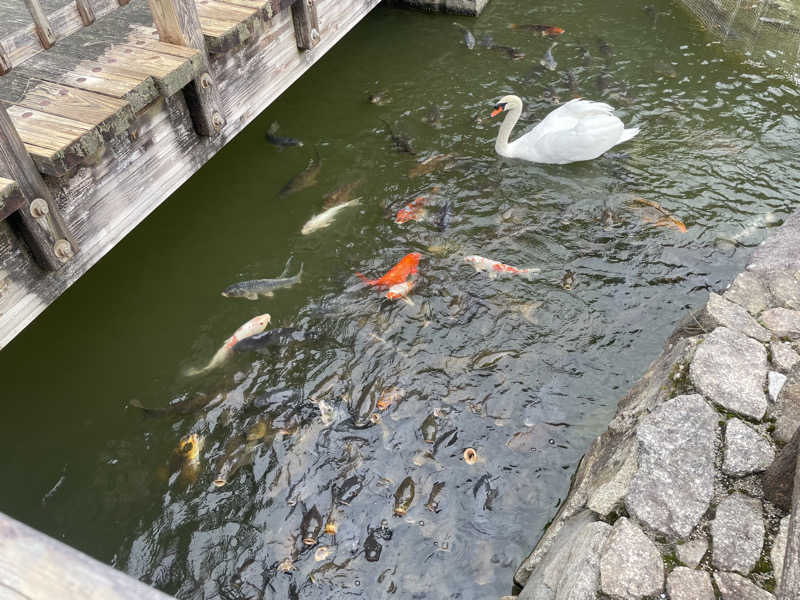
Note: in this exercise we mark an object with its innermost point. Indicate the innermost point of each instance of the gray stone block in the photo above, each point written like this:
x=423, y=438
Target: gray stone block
x=692, y=552
x=784, y=286
x=730, y=369
x=783, y=356
x=737, y=534
x=735, y=587
x=631, y=566
x=778, y=550
x=673, y=486
x=787, y=408
x=746, y=451
x=687, y=584
x=724, y=313
x=775, y=383
x=782, y=322
x=749, y=292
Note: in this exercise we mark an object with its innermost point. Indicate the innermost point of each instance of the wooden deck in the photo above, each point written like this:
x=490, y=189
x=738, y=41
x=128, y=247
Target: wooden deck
x=108, y=106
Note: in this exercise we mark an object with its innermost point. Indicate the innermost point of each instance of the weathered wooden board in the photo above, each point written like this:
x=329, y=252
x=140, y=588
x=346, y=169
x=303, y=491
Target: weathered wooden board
x=106, y=200
x=109, y=116
x=10, y=197
x=19, y=43
x=34, y=566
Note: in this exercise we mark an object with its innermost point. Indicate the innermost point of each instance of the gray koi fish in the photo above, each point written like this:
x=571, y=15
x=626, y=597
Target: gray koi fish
x=254, y=288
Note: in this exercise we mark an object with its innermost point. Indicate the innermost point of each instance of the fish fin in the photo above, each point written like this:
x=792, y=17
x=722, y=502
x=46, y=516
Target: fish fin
x=251, y=296
x=273, y=128
x=286, y=268
x=192, y=371
x=407, y=300
x=300, y=273
x=364, y=279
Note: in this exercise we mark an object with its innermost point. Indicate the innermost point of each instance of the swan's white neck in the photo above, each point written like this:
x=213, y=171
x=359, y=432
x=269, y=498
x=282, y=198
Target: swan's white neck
x=512, y=116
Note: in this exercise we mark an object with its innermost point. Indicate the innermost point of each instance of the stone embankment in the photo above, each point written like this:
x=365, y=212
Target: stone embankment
x=668, y=502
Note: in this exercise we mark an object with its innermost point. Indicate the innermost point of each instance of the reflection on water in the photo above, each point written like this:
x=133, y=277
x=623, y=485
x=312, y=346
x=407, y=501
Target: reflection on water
x=335, y=460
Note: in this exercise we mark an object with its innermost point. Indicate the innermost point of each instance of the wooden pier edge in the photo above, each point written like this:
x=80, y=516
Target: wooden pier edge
x=34, y=566
x=103, y=201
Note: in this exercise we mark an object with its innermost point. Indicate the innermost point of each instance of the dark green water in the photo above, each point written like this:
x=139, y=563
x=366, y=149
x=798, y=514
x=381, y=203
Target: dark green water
x=525, y=372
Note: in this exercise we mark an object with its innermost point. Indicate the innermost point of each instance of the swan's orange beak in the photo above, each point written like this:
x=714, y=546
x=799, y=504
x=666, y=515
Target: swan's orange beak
x=497, y=111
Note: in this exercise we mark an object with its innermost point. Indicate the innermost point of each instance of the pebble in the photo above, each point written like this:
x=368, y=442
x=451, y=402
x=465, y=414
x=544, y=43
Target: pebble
x=692, y=552
x=775, y=382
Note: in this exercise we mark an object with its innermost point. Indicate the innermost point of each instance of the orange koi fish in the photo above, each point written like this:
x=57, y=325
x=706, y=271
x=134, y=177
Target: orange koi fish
x=665, y=220
x=413, y=211
x=543, y=30
x=496, y=268
x=398, y=273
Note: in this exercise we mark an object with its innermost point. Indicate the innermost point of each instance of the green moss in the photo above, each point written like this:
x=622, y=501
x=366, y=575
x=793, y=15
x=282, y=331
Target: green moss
x=670, y=561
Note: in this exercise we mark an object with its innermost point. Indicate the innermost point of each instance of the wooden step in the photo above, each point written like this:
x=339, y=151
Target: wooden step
x=10, y=197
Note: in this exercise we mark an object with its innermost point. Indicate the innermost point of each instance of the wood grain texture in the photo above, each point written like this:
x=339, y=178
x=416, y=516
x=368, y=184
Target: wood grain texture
x=47, y=36
x=306, y=24
x=10, y=197
x=86, y=11
x=43, y=233
x=106, y=199
x=36, y=567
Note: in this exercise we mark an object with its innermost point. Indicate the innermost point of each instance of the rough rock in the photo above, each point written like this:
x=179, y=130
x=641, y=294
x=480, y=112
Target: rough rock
x=735, y=587
x=775, y=382
x=572, y=570
x=610, y=494
x=631, y=566
x=748, y=291
x=784, y=287
x=778, y=551
x=687, y=584
x=745, y=450
x=692, y=552
x=730, y=368
x=724, y=313
x=782, y=322
x=737, y=534
x=673, y=487
x=779, y=250
x=783, y=356
x=787, y=408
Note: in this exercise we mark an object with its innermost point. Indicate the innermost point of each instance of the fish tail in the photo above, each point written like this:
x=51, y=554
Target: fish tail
x=513, y=26
x=192, y=371
x=364, y=279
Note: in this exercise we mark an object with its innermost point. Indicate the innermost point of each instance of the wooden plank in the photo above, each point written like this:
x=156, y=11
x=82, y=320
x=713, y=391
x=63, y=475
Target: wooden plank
x=91, y=77
x=45, y=232
x=109, y=116
x=11, y=197
x=227, y=26
x=36, y=566
x=86, y=12
x=22, y=43
x=306, y=24
x=47, y=36
x=178, y=23
x=56, y=144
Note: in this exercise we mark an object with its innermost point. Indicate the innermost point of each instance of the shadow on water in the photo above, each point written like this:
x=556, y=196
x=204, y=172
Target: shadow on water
x=312, y=437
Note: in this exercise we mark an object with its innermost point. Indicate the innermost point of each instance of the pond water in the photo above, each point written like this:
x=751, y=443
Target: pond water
x=524, y=371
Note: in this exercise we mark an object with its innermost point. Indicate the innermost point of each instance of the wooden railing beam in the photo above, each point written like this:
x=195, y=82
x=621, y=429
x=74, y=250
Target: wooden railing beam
x=306, y=24
x=177, y=23
x=43, y=29
x=43, y=228
x=86, y=11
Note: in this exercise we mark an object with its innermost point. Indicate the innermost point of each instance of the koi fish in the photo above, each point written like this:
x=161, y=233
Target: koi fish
x=548, y=62
x=665, y=219
x=496, y=268
x=400, y=291
x=254, y=288
x=398, y=273
x=252, y=327
x=413, y=211
x=325, y=218
x=543, y=30
x=280, y=141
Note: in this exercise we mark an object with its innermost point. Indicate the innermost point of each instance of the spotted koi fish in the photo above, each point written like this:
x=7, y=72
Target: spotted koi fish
x=413, y=211
x=496, y=268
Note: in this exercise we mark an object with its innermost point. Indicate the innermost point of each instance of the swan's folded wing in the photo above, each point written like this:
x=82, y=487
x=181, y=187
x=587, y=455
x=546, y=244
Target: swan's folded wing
x=587, y=138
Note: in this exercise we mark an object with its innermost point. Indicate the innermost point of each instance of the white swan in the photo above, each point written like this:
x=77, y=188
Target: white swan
x=578, y=130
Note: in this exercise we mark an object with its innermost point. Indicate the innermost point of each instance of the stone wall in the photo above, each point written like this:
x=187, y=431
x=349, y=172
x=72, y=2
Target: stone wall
x=669, y=499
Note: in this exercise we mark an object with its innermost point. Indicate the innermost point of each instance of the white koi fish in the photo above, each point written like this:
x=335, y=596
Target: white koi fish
x=400, y=291
x=325, y=218
x=252, y=327
x=496, y=268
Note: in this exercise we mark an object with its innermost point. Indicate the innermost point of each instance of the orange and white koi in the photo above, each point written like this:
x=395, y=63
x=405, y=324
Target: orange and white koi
x=252, y=327
x=496, y=268
x=400, y=291
x=398, y=273
x=413, y=211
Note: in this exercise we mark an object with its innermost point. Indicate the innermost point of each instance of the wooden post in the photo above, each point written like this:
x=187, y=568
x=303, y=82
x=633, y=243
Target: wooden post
x=123, y=2
x=42, y=226
x=33, y=565
x=306, y=25
x=790, y=578
x=86, y=11
x=43, y=29
x=177, y=23
x=5, y=62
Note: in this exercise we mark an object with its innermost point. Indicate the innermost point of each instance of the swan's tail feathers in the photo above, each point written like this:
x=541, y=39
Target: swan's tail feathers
x=628, y=134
